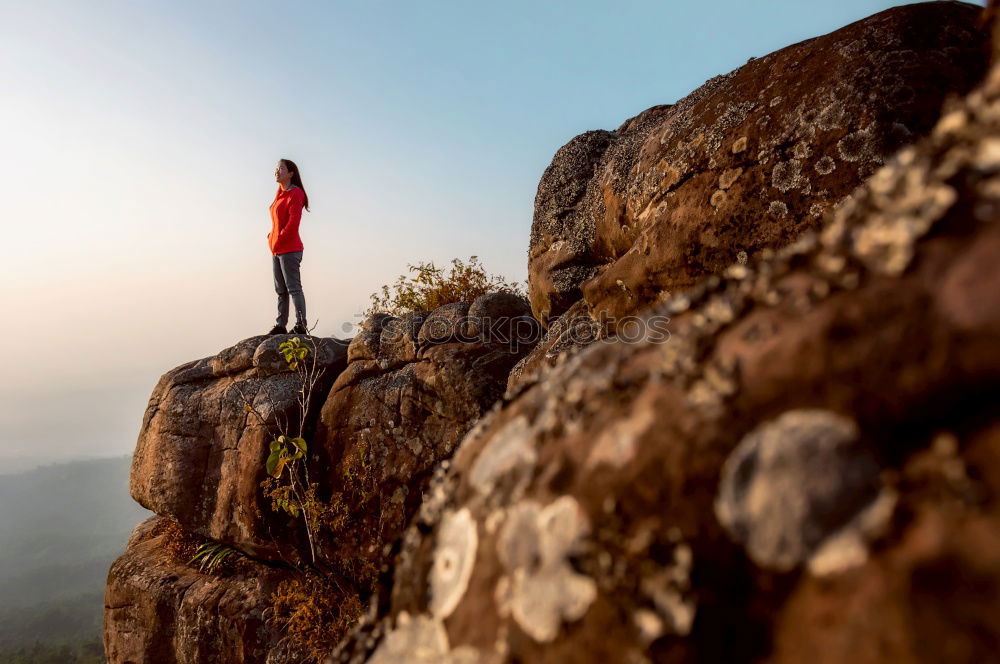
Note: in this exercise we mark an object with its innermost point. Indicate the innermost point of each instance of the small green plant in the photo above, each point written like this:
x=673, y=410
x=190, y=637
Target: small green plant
x=287, y=484
x=427, y=287
x=294, y=352
x=210, y=555
x=283, y=451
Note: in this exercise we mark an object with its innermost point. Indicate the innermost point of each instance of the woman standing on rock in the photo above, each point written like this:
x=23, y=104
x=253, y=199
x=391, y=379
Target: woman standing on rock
x=286, y=246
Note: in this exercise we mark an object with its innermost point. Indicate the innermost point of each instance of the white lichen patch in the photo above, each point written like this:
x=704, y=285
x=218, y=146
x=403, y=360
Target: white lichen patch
x=825, y=165
x=832, y=116
x=951, y=123
x=987, y=156
x=616, y=445
x=802, y=150
x=777, y=208
x=717, y=384
x=509, y=453
x=793, y=482
x=648, y=624
x=718, y=198
x=886, y=241
x=454, y=558
x=727, y=179
x=669, y=590
x=787, y=175
x=420, y=640
x=859, y=146
x=541, y=589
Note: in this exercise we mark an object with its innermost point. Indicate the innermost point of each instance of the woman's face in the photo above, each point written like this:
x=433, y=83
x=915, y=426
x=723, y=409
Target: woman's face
x=281, y=172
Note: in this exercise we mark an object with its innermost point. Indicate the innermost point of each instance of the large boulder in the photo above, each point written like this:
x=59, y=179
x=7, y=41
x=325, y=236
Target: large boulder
x=393, y=416
x=748, y=161
x=807, y=465
x=200, y=456
x=159, y=609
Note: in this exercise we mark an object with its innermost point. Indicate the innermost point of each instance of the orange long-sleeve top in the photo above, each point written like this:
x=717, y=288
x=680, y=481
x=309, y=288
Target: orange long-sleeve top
x=286, y=212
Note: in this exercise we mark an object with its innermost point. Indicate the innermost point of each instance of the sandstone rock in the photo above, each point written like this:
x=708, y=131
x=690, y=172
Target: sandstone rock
x=568, y=332
x=365, y=345
x=577, y=519
x=502, y=318
x=388, y=422
x=200, y=455
x=398, y=341
x=561, y=251
x=446, y=323
x=162, y=611
x=886, y=319
x=747, y=162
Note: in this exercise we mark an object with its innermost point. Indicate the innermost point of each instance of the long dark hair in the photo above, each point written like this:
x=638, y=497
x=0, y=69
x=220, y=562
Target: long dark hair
x=296, y=179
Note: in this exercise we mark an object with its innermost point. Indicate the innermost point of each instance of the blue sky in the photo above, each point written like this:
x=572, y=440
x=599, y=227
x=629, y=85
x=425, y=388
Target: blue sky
x=141, y=139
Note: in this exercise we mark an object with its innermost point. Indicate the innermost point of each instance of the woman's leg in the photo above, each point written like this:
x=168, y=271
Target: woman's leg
x=281, y=289
x=290, y=268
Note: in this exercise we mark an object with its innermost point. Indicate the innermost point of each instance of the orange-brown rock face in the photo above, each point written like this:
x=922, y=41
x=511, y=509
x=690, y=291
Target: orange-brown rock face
x=748, y=161
x=406, y=399
x=376, y=429
x=200, y=455
x=159, y=610
x=806, y=470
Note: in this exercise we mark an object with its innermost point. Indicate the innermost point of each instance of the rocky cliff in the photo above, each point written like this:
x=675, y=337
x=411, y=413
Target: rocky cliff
x=761, y=424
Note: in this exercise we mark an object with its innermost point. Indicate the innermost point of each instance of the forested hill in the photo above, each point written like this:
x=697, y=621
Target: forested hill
x=60, y=527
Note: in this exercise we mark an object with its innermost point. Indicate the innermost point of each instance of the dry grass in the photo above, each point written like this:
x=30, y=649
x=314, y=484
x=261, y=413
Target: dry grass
x=314, y=614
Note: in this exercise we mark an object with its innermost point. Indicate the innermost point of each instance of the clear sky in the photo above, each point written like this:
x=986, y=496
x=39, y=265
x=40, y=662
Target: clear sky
x=140, y=140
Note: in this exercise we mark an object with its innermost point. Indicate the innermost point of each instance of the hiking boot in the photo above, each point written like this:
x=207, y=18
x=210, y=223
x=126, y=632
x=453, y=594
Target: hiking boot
x=300, y=328
x=278, y=329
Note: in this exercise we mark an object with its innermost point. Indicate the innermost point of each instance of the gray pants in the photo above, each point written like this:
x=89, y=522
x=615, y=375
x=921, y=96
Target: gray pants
x=287, y=282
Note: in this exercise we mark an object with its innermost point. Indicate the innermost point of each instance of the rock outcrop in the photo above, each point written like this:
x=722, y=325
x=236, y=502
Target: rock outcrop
x=200, y=454
x=746, y=162
x=807, y=466
x=160, y=609
x=387, y=408
x=790, y=454
x=397, y=411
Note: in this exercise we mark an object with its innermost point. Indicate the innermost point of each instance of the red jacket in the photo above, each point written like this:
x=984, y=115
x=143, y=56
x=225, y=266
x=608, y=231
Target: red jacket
x=286, y=212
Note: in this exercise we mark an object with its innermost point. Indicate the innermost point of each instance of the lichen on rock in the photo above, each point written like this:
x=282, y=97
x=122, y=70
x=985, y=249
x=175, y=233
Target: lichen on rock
x=792, y=482
x=541, y=589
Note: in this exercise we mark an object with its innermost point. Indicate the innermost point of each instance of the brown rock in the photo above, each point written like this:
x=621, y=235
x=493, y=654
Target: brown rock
x=446, y=323
x=747, y=162
x=158, y=610
x=386, y=425
x=200, y=455
x=593, y=496
x=572, y=330
x=365, y=345
x=398, y=341
x=502, y=318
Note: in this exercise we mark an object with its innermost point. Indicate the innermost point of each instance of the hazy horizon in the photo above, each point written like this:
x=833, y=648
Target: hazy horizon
x=143, y=139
